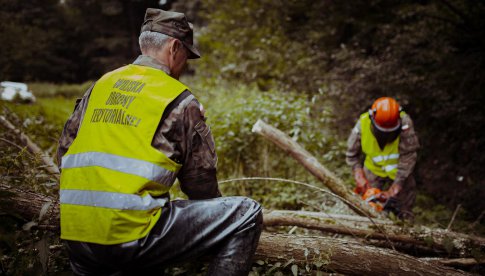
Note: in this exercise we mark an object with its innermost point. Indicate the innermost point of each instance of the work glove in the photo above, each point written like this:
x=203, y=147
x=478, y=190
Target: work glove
x=362, y=184
x=391, y=192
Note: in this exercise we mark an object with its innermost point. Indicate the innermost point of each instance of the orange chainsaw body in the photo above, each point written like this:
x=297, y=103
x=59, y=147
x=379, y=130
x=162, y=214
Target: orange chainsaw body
x=370, y=196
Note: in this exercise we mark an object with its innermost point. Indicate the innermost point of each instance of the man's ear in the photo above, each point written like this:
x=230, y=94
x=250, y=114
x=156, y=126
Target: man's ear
x=174, y=46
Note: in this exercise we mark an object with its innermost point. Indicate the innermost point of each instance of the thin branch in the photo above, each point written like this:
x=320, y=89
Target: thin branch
x=453, y=217
x=15, y=145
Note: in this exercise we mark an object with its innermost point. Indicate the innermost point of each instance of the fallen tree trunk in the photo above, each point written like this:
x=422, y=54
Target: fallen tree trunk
x=439, y=241
x=341, y=219
x=343, y=256
x=336, y=255
x=28, y=205
x=329, y=179
x=50, y=166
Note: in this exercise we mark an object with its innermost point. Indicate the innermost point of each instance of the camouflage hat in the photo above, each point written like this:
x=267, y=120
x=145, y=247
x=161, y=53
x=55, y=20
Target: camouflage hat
x=173, y=24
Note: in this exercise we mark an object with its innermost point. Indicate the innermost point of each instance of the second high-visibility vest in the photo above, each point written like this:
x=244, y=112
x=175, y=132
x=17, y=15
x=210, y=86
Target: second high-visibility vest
x=381, y=162
x=112, y=179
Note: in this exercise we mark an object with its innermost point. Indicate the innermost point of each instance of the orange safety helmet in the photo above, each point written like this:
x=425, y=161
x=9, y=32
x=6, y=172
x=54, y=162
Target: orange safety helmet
x=385, y=114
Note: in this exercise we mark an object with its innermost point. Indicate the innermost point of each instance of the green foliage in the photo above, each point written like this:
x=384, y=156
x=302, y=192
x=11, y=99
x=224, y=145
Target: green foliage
x=233, y=109
x=43, y=123
x=257, y=45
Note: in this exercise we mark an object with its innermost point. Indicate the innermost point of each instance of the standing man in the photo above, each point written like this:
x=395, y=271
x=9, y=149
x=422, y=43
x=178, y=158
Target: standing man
x=385, y=137
x=133, y=133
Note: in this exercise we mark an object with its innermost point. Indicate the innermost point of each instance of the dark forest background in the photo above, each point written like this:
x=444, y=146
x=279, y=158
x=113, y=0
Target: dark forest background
x=429, y=54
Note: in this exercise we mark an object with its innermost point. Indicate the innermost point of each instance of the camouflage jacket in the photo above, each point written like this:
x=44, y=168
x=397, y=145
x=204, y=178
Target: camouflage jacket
x=182, y=135
x=408, y=145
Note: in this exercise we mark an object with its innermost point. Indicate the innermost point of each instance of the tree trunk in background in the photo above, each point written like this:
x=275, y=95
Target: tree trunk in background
x=329, y=179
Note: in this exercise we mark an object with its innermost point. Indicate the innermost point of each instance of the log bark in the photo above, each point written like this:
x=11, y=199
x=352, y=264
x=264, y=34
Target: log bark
x=28, y=205
x=438, y=241
x=344, y=256
x=341, y=219
x=50, y=166
x=458, y=262
x=329, y=179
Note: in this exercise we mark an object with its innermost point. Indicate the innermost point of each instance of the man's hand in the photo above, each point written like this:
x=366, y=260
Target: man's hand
x=391, y=192
x=362, y=184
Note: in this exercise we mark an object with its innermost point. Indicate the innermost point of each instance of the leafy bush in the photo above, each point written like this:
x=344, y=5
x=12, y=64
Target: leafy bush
x=233, y=109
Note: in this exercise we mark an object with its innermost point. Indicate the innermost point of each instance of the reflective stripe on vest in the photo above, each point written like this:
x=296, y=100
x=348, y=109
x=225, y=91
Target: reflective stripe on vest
x=389, y=168
x=112, y=179
x=381, y=158
x=110, y=200
x=141, y=168
x=381, y=162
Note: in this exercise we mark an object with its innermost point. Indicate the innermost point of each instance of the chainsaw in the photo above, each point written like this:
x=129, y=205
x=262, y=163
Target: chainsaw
x=371, y=196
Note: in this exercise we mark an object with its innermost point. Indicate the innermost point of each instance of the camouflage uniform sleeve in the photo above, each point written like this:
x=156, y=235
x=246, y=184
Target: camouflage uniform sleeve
x=185, y=138
x=408, y=146
x=72, y=125
x=353, y=155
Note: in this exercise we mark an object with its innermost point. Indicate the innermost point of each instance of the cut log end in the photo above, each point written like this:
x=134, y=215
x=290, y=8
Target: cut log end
x=257, y=127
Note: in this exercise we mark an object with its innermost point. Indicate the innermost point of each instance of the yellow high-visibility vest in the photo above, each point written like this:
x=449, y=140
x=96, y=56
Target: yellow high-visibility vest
x=111, y=175
x=383, y=162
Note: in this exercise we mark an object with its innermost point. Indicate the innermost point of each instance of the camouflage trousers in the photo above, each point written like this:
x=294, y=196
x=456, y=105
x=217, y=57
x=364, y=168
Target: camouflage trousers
x=226, y=229
x=404, y=201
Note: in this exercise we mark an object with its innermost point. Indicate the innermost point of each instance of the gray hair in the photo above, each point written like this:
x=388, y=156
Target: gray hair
x=152, y=41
